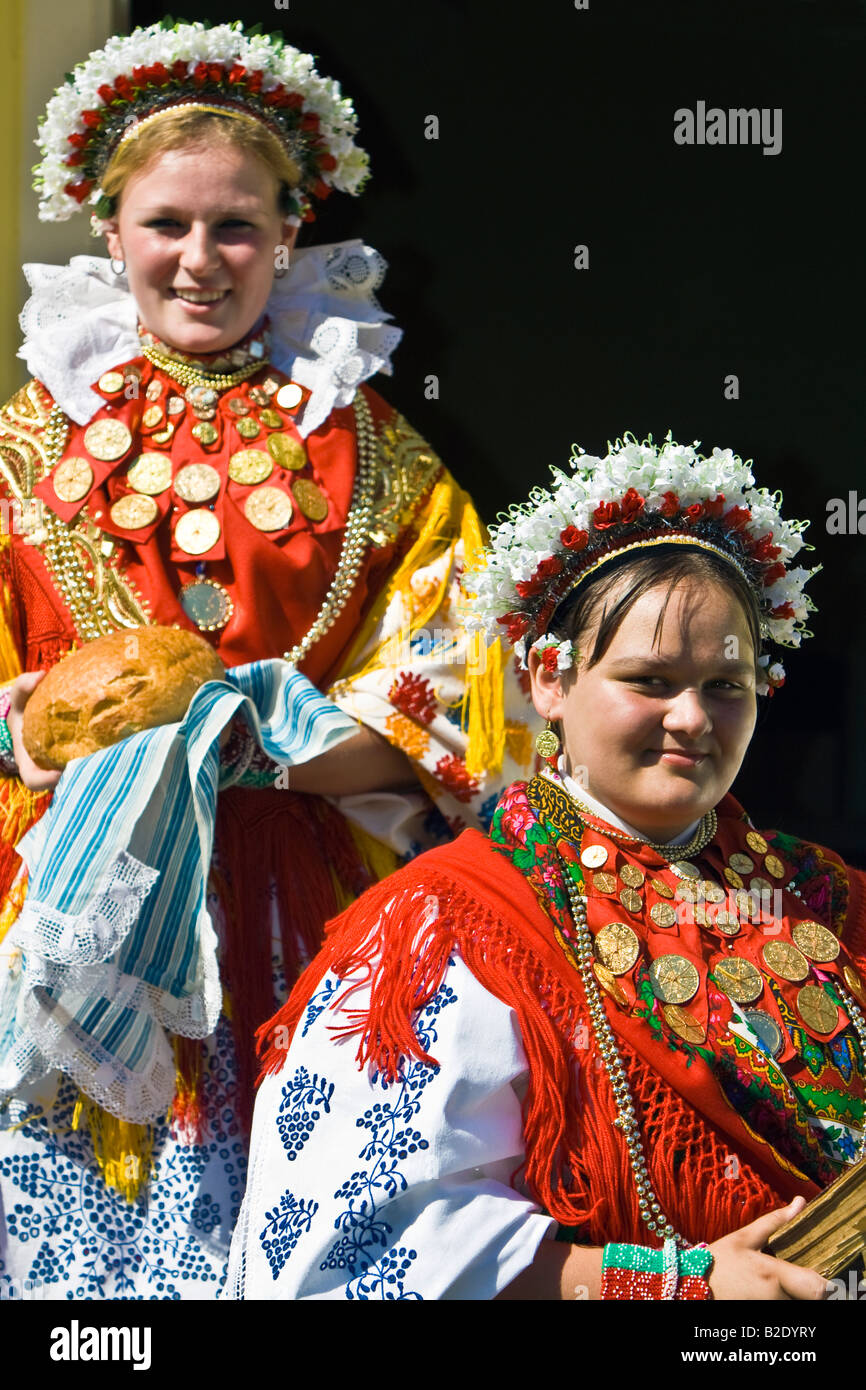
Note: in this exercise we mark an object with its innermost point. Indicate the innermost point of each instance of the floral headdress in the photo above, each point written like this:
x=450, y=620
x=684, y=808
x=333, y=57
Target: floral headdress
x=638, y=496
x=167, y=66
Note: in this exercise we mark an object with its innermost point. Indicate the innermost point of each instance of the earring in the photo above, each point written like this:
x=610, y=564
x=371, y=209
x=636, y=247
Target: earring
x=547, y=743
x=118, y=267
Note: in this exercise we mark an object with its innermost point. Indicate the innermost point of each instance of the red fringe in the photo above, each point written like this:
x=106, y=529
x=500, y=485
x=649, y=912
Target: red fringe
x=276, y=852
x=576, y=1163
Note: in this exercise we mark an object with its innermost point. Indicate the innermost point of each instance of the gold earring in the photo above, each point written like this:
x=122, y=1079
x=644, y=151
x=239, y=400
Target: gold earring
x=547, y=743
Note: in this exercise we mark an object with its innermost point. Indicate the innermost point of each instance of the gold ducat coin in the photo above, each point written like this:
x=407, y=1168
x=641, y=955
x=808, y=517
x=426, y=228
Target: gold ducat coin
x=311, y=501
x=760, y=885
x=197, y=531
x=268, y=509
x=816, y=942
x=741, y=863
x=593, y=856
x=817, y=1009
x=739, y=978
x=713, y=892
x=689, y=891
x=239, y=405
x=250, y=466
x=604, y=883
x=683, y=1023
x=272, y=418
x=259, y=396
x=72, y=479
x=733, y=878
x=854, y=983
x=632, y=876
x=609, y=983
x=685, y=868
x=107, y=440
x=110, y=383
x=774, y=866
x=728, y=923
x=786, y=961
x=674, y=979
x=205, y=432
x=151, y=473
x=289, y=396
x=287, y=451
x=247, y=427
x=631, y=901
x=163, y=436
x=152, y=417
x=663, y=889
x=134, y=511
x=663, y=914
x=617, y=947
x=196, y=483
x=756, y=842
x=154, y=391
x=175, y=405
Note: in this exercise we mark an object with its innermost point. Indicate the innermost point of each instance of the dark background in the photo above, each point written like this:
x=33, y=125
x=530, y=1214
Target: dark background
x=556, y=128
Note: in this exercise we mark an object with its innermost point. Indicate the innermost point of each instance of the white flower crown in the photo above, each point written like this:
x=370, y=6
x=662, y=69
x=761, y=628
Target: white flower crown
x=168, y=65
x=638, y=495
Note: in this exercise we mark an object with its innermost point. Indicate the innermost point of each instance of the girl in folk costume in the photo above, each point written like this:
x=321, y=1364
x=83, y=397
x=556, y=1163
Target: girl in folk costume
x=199, y=448
x=626, y=1018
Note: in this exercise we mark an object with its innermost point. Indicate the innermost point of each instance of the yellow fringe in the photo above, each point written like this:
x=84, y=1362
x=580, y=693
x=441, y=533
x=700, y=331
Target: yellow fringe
x=485, y=692
x=377, y=857
x=10, y=662
x=123, y=1151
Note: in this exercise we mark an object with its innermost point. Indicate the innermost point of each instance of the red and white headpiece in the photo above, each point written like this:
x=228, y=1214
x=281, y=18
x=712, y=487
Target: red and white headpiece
x=639, y=495
x=139, y=77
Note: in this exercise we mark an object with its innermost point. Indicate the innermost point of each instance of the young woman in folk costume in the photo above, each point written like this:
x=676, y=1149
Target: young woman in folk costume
x=199, y=448
x=626, y=1018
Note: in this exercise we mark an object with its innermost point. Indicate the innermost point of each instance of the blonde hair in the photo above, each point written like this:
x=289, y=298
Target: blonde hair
x=180, y=127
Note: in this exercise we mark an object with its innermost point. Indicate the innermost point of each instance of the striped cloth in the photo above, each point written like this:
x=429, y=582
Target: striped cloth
x=114, y=948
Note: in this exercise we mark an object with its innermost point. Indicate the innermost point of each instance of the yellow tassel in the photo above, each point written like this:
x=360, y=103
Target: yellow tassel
x=378, y=858
x=484, y=701
x=123, y=1151
x=10, y=662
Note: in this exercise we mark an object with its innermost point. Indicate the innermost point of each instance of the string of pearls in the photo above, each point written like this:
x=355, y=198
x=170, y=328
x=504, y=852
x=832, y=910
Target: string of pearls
x=355, y=540
x=648, y=1204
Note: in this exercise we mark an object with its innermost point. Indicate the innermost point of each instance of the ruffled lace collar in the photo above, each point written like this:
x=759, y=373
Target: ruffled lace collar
x=329, y=332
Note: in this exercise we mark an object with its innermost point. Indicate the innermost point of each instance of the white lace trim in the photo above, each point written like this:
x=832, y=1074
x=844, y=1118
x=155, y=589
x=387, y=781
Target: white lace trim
x=69, y=957
x=329, y=331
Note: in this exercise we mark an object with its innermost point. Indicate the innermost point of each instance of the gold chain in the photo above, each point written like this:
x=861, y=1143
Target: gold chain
x=185, y=375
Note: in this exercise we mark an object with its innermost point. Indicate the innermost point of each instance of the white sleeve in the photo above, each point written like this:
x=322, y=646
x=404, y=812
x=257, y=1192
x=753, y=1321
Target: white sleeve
x=363, y=1189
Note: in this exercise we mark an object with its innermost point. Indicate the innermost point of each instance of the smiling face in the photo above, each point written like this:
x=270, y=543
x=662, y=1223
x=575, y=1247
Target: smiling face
x=197, y=229
x=662, y=721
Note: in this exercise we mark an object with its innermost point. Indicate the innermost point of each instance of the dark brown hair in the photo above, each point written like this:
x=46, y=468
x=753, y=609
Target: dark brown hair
x=662, y=566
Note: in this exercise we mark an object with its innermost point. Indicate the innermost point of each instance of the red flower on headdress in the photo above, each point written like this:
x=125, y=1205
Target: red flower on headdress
x=179, y=69
x=320, y=189
x=236, y=73
x=783, y=610
x=200, y=74
x=693, y=513
x=92, y=118
x=79, y=191
x=605, y=515
x=632, y=505
x=75, y=159
x=764, y=548
x=715, y=507
x=573, y=538
x=294, y=101
x=107, y=93
x=123, y=87
x=515, y=624
x=139, y=77
x=158, y=74
x=737, y=518
x=309, y=121
x=671, y=505
x=550, y=659
x=774, y=572
x=327, y=161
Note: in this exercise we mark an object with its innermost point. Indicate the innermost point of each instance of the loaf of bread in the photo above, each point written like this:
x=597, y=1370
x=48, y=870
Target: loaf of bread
x=113, y=687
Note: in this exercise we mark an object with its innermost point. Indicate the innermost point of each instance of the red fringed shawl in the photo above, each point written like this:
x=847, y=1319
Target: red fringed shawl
x=710, y=1172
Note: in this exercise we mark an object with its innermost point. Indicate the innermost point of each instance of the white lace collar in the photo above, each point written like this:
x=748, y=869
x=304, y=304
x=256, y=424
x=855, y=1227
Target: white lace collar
x=328, y=330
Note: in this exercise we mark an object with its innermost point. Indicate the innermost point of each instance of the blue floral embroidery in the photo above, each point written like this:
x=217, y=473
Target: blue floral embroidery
x=393, y=1139
x=285, y=1226
x=319, y=1002
x=304, y=1099
x=85, y=1241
